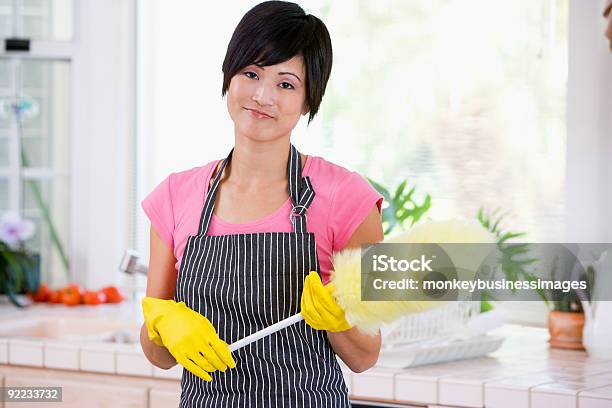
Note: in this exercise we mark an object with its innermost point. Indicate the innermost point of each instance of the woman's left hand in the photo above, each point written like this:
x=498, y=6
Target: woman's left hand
x=319, y=308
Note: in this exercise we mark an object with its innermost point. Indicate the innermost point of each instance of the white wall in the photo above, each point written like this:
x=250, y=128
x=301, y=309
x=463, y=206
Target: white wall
x=102, y=91
x=589, y=126
x=588, y=188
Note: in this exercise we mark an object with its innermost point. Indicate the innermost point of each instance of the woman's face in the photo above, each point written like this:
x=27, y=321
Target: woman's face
x=266, y=103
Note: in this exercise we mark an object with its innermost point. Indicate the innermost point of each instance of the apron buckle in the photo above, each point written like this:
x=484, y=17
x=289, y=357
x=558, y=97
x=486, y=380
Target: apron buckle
x=293, y=213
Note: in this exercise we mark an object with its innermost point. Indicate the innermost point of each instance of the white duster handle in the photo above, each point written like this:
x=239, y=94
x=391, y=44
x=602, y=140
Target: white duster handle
x=266, y=332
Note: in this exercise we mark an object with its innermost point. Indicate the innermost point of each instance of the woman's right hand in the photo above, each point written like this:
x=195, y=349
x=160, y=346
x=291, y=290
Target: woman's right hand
x=189, y=337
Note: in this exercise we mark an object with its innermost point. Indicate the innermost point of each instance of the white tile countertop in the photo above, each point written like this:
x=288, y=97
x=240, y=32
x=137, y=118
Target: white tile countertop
x=524, y=372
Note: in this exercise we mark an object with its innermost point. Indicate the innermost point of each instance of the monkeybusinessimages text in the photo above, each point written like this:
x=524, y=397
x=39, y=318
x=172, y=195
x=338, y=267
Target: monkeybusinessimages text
x=422, y=266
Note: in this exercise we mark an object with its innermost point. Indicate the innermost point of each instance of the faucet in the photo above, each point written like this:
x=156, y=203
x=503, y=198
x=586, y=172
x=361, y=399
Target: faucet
x=130, y=263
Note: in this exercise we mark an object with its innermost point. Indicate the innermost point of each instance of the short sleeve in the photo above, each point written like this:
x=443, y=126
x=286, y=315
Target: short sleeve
x=158, y=207
x=352, y=201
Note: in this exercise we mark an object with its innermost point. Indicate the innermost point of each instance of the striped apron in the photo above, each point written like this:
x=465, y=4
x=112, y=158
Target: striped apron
x=245, y=282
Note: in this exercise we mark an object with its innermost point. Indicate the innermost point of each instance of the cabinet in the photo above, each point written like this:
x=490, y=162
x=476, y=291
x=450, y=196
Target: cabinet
x=78, y=394
x=164, y=398
x=84, y=389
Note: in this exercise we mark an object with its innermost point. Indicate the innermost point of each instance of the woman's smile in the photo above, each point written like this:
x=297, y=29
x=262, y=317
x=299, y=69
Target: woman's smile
x=258, y=114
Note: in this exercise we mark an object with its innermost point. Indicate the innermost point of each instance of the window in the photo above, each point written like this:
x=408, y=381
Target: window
x=50, y=20
x=468, y=106
x=35, y=129
x=464, y=103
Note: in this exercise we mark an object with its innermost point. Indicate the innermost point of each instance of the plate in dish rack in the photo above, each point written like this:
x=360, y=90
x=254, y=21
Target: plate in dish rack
x=438, y=352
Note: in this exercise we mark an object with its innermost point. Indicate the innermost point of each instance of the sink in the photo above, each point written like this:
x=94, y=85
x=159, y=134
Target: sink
x=94, y=329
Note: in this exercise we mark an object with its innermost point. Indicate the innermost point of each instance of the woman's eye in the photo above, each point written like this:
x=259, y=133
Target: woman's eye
x=250, y=74
x=286, y=85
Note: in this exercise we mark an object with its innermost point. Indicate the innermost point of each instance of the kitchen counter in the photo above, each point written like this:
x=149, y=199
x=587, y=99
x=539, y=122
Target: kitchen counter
x=524, y=372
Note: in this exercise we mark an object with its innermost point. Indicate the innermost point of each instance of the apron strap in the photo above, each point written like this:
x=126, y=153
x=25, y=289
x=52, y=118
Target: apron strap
x=301, y=193
x=298, y=212
x=209, y=204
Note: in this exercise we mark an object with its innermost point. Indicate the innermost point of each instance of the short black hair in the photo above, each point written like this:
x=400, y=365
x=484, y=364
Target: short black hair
x=276, y=31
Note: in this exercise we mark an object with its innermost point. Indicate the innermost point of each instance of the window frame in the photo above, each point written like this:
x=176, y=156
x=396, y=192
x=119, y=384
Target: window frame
x=101, y=127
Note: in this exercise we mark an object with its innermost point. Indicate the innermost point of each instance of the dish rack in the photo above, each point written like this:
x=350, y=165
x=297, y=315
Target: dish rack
x=437, y=335
x=423, y=327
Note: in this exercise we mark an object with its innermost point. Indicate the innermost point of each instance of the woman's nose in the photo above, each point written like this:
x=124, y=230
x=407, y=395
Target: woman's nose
x=263, y=96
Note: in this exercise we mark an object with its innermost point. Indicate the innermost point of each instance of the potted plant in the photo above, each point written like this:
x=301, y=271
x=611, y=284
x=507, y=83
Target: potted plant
x=19, y=268
x=566, y=317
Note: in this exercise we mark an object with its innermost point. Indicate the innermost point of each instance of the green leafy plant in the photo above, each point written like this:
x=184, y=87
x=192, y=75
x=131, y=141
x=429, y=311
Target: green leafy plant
x=402, y=206
x=515, y=260
x=19, y=269
x=514, y=256
x=22, y=108
x=403, y=210
x=19, y=273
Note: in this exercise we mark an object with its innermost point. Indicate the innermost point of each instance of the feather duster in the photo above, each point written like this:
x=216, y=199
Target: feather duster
x=370, y=316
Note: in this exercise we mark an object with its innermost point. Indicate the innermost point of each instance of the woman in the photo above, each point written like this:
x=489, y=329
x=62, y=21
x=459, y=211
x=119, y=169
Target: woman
x=255, y=251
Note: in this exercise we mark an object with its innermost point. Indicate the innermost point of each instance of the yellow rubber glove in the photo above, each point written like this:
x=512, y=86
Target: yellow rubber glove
x=319, y=308
x=189, y=337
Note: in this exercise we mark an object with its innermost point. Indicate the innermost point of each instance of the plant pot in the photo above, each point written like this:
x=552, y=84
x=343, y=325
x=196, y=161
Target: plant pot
x=565, y=330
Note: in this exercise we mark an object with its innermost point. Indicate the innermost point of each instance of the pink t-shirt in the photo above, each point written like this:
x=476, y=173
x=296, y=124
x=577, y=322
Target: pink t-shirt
x=342, y=200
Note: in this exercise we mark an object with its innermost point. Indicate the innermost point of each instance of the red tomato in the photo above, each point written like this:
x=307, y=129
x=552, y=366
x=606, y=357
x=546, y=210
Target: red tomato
x=113, y=295
x=54, y=296
x=42, y=295
x=71, y=295
x=92, y=297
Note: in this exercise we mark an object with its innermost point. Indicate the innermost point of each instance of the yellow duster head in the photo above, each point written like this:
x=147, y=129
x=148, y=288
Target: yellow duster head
x=367, y=316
